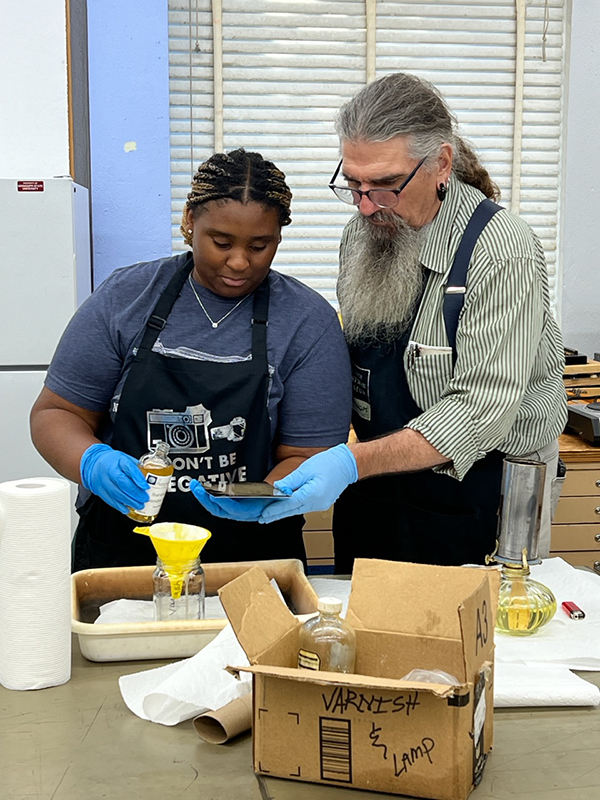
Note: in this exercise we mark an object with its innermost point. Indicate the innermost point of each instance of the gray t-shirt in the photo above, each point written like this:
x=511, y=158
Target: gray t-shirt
x=310, y=390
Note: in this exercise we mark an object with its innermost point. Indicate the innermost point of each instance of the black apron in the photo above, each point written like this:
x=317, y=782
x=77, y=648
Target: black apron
x=423, y=517
x=215, y=418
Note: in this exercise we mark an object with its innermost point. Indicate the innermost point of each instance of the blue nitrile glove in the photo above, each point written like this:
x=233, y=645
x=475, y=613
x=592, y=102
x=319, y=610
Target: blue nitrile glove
x=246, y=510
x=316, y=484
x=114, y=476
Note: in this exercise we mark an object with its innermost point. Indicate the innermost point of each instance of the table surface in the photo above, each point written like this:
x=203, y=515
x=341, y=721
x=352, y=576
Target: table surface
x=80, y=742
x=574, y=449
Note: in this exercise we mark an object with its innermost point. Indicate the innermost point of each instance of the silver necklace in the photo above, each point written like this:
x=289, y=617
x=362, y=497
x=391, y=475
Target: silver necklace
x=208, y=316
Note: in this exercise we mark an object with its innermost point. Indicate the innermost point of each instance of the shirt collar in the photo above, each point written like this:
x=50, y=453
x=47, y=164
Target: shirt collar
x=434, y=253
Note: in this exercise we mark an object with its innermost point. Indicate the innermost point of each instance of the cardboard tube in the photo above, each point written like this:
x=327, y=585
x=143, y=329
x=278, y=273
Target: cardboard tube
x=221, y=725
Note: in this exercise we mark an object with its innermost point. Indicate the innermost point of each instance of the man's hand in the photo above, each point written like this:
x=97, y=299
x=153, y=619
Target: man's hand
x=316, y=484
x=114, y=476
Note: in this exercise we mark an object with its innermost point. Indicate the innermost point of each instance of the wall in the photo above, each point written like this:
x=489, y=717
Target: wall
x=581, y=188
x=129, y=129
x=129, y=103
x=34, y=130
x=34, y=143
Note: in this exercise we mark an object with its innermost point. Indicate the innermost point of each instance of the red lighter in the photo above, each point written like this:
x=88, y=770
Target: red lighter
x=573, y=610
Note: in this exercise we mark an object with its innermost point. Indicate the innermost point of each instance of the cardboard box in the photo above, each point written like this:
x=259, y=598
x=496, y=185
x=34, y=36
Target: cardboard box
x=319, y=552
x=318, y=544
x=126, y=641
x=371, y=730
x=318, y=520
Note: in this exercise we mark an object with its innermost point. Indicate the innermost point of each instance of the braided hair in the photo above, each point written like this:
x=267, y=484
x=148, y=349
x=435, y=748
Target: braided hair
x=243, y=176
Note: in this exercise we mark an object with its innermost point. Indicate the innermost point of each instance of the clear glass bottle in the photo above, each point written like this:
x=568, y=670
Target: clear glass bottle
x=327, y=642
x=179, y=590
x=158, y=469
x=524, y=605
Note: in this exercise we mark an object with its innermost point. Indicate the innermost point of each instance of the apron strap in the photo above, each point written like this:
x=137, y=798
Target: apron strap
x=456, y=286
x=260, y=320
x=158, y=318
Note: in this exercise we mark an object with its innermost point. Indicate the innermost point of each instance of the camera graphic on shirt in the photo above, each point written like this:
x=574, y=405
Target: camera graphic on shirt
x=184, y=431
x=234, y=432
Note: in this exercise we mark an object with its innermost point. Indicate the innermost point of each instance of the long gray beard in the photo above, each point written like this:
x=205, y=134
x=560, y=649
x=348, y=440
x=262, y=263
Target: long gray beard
x=381, y=279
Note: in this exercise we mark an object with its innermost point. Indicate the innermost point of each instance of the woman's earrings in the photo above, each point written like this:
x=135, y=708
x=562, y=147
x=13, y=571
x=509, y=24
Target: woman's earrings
x=442, y=191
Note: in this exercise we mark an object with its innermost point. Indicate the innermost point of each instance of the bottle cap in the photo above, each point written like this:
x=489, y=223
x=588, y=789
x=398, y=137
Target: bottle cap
x=331, y=605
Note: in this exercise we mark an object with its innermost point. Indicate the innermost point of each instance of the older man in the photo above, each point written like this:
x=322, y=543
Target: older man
x=457, y=359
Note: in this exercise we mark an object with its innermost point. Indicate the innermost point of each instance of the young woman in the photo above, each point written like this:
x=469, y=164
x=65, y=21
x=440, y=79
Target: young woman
x=242, y=370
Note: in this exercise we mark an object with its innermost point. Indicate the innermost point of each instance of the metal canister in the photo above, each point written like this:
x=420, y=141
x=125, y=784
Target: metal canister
x=520, y=511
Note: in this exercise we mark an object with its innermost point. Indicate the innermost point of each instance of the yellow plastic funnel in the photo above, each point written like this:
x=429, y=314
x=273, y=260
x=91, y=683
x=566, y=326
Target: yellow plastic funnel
x=177, y=545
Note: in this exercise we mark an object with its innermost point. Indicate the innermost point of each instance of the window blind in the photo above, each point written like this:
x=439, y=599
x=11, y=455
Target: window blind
x=288, y=67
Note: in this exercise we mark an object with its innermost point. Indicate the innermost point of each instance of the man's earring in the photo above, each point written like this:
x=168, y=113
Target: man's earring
x=190, y=230
x=442, y=191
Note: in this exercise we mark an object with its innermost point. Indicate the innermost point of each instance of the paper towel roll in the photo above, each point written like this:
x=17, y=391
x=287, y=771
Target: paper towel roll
x=218, y=727
x=35, y=581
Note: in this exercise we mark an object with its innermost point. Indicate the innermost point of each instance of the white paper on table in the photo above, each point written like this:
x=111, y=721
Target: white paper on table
x=537, y=685
x=123, y=610
x=565, y=642
x=176, y=692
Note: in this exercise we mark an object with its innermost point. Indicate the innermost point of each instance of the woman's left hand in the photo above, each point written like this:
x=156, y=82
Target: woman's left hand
x=246, y=510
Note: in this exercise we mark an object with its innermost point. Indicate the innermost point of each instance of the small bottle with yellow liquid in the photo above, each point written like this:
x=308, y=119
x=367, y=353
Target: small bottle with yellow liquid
x=327, y=642
x=158, y=469
x=524, y=605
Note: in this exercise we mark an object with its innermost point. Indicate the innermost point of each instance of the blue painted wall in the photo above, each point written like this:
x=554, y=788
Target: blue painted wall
x=129, y=131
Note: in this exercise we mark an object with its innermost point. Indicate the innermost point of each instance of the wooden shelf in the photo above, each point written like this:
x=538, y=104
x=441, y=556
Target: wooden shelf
x=591, y=368
x=573, y=449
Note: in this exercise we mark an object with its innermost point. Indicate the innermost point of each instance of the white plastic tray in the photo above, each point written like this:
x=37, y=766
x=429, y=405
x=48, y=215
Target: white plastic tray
x=150, y=640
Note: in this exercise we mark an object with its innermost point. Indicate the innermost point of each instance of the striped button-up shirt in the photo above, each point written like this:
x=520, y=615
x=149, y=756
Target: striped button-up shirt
x=505, y=391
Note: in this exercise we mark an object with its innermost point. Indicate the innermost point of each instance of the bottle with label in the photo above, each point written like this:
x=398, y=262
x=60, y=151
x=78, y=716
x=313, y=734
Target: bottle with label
x=158, y=469
x=327, y=642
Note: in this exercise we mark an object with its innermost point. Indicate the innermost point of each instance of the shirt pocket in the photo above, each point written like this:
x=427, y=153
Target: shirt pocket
x=428, y=371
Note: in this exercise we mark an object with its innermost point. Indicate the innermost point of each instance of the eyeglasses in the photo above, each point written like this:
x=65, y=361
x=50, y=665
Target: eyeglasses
x=384, y=198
